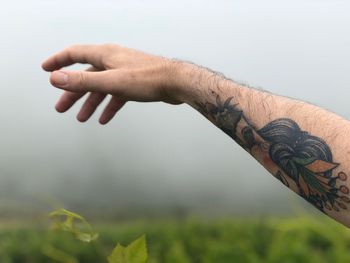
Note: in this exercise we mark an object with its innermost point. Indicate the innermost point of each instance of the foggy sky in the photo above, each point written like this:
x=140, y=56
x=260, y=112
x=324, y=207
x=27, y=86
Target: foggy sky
x=153, y=153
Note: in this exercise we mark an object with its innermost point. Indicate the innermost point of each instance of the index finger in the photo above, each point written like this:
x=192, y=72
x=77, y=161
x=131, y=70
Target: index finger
x=90, y=54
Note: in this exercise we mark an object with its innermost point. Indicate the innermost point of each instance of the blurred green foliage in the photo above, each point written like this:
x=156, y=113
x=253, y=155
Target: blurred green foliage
x=304, y=239
x=135, y=252
x=65, y=220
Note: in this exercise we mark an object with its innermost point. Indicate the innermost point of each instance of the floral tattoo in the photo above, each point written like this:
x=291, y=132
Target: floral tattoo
x=298, y=157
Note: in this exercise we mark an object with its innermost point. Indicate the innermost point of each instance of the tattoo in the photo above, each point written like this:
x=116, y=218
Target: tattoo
x=224, y=115
x=295, y=157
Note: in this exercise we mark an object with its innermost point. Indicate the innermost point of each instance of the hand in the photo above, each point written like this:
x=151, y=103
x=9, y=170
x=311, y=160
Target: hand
x=124, y=73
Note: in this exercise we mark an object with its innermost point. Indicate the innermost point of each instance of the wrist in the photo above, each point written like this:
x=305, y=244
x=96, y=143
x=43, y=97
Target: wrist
x=184, y=80
x=191, y=83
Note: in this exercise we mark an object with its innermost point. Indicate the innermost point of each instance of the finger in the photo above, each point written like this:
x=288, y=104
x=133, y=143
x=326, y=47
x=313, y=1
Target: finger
x=82, y=81
x=68, y=98
x=111, y=109
x=91, y=54
x=90, y=106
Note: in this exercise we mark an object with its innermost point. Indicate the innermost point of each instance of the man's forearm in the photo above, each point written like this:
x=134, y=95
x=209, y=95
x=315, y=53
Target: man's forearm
x=304, y=146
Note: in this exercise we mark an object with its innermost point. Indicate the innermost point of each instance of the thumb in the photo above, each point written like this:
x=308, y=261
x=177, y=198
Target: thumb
x=80, y=81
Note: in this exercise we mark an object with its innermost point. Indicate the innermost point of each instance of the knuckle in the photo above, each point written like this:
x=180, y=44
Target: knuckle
x=72, y=48
x=108, y=52
x=82, y=79
x=106, y=61
x=69, y=51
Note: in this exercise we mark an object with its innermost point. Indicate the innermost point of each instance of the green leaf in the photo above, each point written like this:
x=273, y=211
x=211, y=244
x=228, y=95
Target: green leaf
x=86, y=237
x=311, y=180
x=136, y=252
x=118, y=255
x=68, y=221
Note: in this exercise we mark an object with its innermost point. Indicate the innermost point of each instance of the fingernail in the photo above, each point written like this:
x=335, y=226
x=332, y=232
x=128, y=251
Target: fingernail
x=59, y=78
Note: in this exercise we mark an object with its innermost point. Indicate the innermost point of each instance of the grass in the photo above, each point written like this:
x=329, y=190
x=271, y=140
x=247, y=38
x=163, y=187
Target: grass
x=303, y=239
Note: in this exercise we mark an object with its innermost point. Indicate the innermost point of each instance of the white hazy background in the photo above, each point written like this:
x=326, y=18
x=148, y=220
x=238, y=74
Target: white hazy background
x=156, y=158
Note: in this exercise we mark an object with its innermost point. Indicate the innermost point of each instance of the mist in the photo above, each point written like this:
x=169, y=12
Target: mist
x=155, y=158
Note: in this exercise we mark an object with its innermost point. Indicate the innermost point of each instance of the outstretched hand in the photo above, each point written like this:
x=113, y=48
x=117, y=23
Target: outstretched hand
x=126, y=74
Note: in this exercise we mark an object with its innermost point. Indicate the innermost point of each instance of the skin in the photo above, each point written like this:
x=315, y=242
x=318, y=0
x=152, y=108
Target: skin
x=247, y=115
